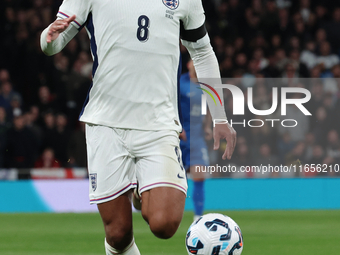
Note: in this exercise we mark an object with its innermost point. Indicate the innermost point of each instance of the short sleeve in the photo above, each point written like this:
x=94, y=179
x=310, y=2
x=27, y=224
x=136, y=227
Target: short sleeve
x=195, y=16
x=80, y=8
x=192, y=25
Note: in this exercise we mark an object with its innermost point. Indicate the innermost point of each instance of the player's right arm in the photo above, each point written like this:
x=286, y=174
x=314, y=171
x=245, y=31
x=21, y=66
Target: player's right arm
x=71, y=17
x=55, y=37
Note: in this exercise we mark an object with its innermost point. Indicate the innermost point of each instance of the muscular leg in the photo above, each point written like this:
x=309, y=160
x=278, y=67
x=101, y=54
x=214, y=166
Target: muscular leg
x=117, y=218
x=163, y=208
x=198, y=190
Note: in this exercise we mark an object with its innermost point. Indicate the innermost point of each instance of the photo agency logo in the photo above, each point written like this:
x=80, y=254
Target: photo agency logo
x=239, y=104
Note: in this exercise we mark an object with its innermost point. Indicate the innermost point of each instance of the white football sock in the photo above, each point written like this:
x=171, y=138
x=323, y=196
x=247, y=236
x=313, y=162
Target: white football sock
x=131, y=249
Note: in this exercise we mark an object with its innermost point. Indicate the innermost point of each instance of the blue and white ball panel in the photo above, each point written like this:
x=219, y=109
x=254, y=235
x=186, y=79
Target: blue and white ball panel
x=214, y=234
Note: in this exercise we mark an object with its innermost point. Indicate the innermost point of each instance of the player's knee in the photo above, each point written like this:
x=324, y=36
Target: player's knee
x=162, y=226
x=145, y=216
x=119, y=237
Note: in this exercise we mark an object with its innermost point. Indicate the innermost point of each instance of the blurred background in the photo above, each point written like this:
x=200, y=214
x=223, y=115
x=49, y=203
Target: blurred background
x=41, y=97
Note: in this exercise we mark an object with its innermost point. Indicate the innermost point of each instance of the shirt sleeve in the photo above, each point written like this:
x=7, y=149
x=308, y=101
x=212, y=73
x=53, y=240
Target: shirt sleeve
x=80, y=8
x=195, y=38
x=57, y=45
x=195, y=16
x=207, y=70
x=192, y=25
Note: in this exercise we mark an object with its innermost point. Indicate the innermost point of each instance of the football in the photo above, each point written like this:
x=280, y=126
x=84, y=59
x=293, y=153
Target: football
x=214, y=234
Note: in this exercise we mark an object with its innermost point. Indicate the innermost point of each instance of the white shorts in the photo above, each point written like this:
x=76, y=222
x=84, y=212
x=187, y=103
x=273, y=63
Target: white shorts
x=117, y=158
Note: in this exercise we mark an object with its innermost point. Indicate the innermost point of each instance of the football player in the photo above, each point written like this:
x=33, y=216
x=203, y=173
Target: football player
x=131, y=111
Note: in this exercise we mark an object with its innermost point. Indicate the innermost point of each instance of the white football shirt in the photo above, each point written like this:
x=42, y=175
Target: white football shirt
x=135, y=48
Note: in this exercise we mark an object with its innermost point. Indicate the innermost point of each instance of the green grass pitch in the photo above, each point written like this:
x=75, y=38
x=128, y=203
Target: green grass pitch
x=264, y=232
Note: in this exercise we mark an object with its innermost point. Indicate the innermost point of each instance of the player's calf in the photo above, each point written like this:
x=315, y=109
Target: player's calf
x=117, y=218
x=118, y=236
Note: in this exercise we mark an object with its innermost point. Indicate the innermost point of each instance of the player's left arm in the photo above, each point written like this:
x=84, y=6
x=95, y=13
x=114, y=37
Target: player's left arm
x=195, y=38
x=206, y=66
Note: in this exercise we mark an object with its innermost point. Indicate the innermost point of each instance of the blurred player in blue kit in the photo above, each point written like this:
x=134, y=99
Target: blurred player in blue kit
x=196, y=127
x=131, y=111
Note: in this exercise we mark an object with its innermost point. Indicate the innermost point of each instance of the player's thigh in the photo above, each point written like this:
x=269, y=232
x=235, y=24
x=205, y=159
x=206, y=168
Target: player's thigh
x=111, y=167
x=163, y=205
x=117, y=218
x=162, y=180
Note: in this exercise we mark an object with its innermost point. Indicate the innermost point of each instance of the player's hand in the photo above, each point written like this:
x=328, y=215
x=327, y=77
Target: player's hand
x=225, y=131
x=58, y=27
x=183, y=135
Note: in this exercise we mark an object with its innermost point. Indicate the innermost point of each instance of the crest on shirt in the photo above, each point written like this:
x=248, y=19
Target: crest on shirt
x=171, y=4
x=93, y=180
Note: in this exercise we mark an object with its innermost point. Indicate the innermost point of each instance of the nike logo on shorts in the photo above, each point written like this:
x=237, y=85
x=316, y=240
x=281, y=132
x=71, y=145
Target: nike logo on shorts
x=181, y=177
